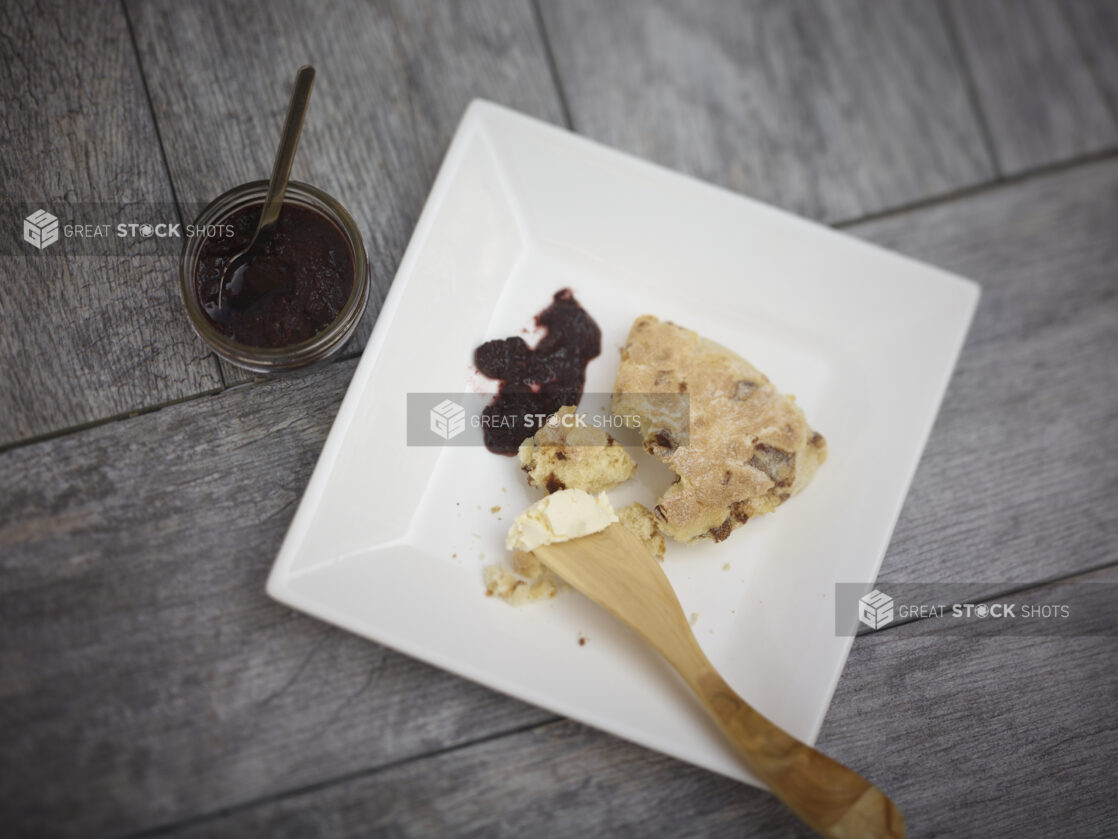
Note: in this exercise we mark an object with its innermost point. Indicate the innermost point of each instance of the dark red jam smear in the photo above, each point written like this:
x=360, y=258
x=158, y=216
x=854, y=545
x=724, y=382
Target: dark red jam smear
x=294, y=285
x=541, y=380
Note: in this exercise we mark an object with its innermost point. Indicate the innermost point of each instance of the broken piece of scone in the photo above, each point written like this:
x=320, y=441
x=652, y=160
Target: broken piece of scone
x=527, y=581
x=739, y=446
x=566, y=452
x=562, y=516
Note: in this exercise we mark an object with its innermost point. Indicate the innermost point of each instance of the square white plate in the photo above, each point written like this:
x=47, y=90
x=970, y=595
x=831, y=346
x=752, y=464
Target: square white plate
x=389, y=541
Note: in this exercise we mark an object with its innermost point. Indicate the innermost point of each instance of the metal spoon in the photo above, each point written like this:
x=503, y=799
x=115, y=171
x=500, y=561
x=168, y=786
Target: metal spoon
x=233, y=273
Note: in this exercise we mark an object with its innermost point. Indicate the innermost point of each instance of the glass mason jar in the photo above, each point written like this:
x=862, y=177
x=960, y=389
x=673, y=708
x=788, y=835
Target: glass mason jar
x=276, y=359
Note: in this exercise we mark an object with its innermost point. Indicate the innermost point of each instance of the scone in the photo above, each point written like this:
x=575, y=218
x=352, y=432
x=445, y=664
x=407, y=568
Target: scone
x=563, y=455
x=739, y=447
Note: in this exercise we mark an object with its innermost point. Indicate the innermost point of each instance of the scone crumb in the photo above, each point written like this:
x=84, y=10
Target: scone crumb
x=694, y=618
x=726, y=566
x=527, y=565
x=639, y=519
x=496, y=508
x=512, y=589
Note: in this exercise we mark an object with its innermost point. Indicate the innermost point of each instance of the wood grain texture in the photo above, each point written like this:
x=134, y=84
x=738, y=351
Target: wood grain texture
x=1033, y=86
x=146, y=681
x=1095, y=26
x=83, y=338
x=393, y=81
x=144, y=675
x=1015, y=484
x=970, y=737
x=832, y=110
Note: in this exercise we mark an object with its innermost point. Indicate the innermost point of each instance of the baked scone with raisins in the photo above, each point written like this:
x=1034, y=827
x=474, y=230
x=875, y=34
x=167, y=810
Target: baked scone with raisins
x=739, y=446
x=567, y=455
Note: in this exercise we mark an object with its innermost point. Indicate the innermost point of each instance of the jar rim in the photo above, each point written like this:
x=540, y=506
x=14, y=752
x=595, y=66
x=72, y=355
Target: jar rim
x=320, y=345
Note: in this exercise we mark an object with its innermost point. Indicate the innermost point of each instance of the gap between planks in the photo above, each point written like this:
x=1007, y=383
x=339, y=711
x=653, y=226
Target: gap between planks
x=552, y=65
x=1048, y=170
x=155, y=125
x=951, y=26
x=166, y=168
x=202, y=818
x=97, y=423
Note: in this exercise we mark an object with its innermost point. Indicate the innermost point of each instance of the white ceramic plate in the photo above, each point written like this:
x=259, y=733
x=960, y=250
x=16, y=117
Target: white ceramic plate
x=389, y=541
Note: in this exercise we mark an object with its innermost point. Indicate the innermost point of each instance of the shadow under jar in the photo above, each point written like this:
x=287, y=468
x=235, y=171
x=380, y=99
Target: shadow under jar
x=302, y=294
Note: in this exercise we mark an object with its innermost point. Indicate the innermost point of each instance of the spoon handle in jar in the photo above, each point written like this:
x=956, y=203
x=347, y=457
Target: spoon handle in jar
x=285, y=154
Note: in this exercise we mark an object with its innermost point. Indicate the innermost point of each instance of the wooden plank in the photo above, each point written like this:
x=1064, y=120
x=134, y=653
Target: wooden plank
x=971, y=737
x=1034, y=89
x=1013, y=486
x=832, y=110
x=393, y=80
x=144, y=674
x=83, y=337
x=1095, y=25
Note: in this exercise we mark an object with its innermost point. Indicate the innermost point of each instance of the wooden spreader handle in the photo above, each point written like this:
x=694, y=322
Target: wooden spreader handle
x=834, y=800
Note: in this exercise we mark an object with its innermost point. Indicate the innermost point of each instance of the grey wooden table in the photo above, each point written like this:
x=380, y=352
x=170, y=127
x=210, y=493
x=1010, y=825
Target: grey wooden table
x=148, y=686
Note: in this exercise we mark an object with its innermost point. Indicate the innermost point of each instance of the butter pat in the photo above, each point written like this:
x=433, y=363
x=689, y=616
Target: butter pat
x=561, y=516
